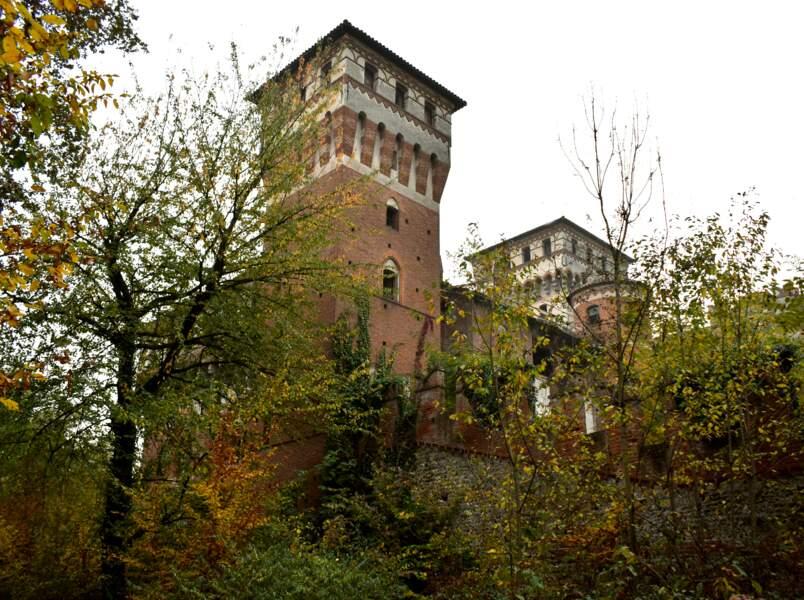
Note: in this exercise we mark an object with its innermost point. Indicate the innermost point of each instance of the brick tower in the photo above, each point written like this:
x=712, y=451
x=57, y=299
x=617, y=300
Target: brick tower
x=390, y=121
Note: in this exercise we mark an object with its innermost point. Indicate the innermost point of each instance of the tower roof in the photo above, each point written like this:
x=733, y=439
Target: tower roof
x=551, y=225
x=346, y=28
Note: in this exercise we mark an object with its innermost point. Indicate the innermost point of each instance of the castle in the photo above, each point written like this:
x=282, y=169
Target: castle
x=390, y=122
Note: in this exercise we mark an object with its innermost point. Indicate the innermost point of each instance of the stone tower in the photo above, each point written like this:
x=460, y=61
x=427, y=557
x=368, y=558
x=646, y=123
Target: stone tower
x=391, y=122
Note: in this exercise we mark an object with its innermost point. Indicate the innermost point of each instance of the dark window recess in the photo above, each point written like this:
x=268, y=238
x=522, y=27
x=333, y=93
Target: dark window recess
x=303, y=93
x=547, y=247
x=588, y=255
x=543, y=307
x=325, y=69
x=574, y=247
x=603, y=265
x=429, y=113
x=401, y=96
x=392, y=217
x=370, y=76
x=526, y=254
x=544, y=354
x=593, y=314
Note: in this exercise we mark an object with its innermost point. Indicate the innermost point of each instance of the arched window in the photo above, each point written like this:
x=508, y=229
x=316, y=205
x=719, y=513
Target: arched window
x=593, y=314
x=392, y=214
x=390, y=280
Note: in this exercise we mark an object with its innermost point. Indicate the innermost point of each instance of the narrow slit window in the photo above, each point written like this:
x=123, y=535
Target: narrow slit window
x=574, y=247
x=547, y=247
x=525, y=254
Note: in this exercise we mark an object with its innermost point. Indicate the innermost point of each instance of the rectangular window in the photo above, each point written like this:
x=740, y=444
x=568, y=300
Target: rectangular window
x=429, y=113
x=547, y=247
x=303, y=93
x=401, y=96
x=370, y=76
x=589, y=255
x=392, y=217
x=526, y=254
x=603, y=265
x=574, y=247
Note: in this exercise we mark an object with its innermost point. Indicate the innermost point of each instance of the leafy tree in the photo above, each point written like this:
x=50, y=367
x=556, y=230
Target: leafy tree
x=45, y=106
x=199, y=250
x=550, y=491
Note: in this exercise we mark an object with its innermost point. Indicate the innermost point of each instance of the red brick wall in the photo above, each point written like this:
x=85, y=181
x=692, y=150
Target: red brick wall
x=369, y=242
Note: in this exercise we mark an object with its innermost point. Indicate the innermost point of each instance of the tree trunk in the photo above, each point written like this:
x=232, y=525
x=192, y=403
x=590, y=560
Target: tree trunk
x=117, y=510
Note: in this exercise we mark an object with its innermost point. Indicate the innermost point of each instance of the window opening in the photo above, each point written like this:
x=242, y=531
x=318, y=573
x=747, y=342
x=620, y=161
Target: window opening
x=392, y=214
x=401, y=96
x=390, y=280
x=547, y=248
x=526, y=254
x=370, y=76
x=429, y=113
x=593, y=314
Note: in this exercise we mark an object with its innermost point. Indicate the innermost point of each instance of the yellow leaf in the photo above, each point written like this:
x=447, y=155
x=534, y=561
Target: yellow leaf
x=85, y=3
x=70, y=5
x=37, y=188
x=9, y=45
x=92, y=24
x=9, y=404
x=34, y=285
x=59, y=4
x=54, y=20
x=26, y=269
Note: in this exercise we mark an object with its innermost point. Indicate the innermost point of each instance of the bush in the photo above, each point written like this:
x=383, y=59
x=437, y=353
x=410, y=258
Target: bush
x=279, y=572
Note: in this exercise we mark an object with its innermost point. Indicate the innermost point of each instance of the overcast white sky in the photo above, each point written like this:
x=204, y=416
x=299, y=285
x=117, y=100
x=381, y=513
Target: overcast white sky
x=723, y=83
